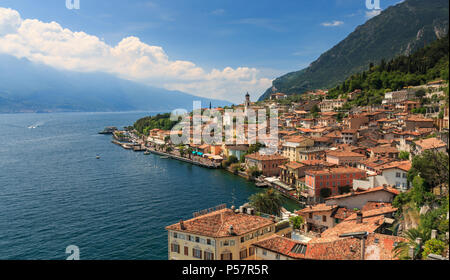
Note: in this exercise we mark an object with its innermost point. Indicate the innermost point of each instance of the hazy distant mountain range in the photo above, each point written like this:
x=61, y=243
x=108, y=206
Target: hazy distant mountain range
x=29, y=87
x=400, y=29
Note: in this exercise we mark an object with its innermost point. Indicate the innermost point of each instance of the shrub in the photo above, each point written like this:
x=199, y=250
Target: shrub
x=325, y=192
x=433, y=246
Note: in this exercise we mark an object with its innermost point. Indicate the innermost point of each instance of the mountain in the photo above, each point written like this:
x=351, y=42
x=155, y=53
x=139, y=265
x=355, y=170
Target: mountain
x=398, y=30
x=425, y=65
x=29, y=87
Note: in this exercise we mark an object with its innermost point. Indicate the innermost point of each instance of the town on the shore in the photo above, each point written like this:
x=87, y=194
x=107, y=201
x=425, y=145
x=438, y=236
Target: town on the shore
x=366, y=180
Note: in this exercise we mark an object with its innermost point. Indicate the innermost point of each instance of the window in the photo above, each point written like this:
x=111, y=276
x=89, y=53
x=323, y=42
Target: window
x=209, y=256
x=186, y=251
x=243, y=254
x=278, y=256
x=189, y=238
x=242, y=239
x=175, y=235
x=264, y=252
x=208, y=241
x=324, y=218
x=397, y=175
x=196, y=253
x=251, y=251
x=175, y=248
x=310, y=215
x=197, y=239
x=226, y=256
x=404, y=175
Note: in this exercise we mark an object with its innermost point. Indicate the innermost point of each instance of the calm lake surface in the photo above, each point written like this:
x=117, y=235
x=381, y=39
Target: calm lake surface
x=55, y=193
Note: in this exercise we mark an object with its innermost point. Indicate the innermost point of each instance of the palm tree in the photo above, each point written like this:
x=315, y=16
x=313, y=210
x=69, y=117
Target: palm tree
x=401, y=250
x=268, y=202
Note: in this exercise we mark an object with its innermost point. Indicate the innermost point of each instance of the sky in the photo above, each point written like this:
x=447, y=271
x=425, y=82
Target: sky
x=211, y=48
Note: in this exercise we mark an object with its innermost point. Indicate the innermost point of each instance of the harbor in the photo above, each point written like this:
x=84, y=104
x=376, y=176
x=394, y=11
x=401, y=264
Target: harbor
x=130, y=141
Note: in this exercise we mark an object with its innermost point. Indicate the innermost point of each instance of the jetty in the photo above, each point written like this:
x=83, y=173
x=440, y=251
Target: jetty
x=210, y=166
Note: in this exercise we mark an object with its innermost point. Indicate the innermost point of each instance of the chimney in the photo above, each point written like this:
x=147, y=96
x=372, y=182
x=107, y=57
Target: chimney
x=433, y=234
x=231, y=230
x=182, y=225
x=359, y=217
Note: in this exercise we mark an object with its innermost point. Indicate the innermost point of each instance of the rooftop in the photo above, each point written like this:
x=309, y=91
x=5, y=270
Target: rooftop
x=430, y=143
x=377, y=189
x=217, y=224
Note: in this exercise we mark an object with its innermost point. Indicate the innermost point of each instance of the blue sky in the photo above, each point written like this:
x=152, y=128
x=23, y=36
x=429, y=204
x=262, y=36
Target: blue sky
x=274, y=37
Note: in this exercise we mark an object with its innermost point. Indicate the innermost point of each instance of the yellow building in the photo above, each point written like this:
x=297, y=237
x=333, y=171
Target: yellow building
x=294, y=144
x=219, y=235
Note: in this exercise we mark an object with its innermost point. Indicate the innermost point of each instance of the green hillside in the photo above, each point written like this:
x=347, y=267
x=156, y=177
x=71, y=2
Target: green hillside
x=425, y=65
x=398, y=30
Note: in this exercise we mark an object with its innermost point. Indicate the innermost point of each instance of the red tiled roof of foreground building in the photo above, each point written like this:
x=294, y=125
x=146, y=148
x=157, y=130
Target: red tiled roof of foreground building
x=217, y=224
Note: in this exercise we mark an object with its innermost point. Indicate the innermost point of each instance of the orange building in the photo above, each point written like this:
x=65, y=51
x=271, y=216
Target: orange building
x=331, y=178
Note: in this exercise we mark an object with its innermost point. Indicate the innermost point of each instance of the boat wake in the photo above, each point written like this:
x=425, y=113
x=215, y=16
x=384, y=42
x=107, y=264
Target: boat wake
x=36, y=125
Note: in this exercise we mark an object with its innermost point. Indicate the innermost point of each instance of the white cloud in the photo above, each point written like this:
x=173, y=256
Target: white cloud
x=333, y=23
x=372, y=13
x=131, y=58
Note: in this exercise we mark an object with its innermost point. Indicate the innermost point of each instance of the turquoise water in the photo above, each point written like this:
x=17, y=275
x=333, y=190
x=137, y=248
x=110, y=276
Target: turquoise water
x=55, y=193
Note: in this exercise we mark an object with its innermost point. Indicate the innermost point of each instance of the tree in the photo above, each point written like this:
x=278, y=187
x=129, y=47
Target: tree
x=433, y=246
x=325, y=192
x=235, y=167
x=344, y=189
x=268, y=202
x=432, y=167
x=403, y=155
x=296, y=221
x=402, y=249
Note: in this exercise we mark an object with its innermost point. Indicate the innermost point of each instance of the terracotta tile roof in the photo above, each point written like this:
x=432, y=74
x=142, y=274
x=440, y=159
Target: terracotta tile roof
x=403, y=165
x=295, y=139
x=336, y=170
x=342, y=213
x=377, y=247
x=294, y=165
x=381, y=246
x=314, y=162
x=338, y=153
x=334, y=249
x=349, y=131
x=374, y=212
x=377, y=189
x=370, y=224
x=375, y=205
x=334, y=134
x=217, y=224
x=283, y=246
x=430, y=143
x=383, y=149
x=316, y=208
x=259, y=157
